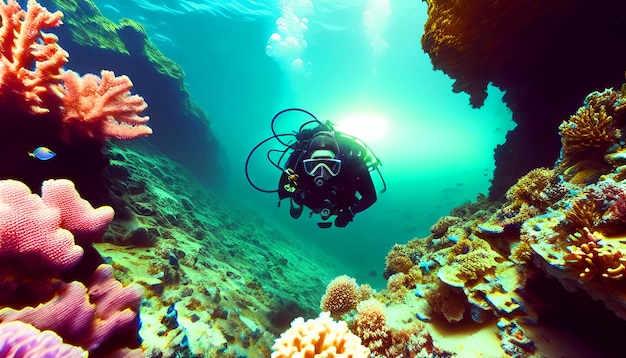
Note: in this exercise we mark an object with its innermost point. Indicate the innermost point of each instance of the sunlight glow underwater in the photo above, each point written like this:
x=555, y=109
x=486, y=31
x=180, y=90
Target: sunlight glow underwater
x=368, y=127
x=359, y=64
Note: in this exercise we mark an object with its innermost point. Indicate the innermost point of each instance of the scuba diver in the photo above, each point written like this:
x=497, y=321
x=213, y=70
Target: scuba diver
x=326, y=171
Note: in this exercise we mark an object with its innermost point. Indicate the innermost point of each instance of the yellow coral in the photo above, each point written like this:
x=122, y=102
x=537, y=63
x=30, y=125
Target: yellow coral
x=588, y=134
x=584, y=214
x=440, y=228
x=319, y=338
x=525, y=199
x=590, y=128
x=398, y=284
x=521, y=253
x=529, y=188
x=475, y=264
x=469, y=259
x=365, y=292
x=398, y=259
x=342, y=296
x=448, y=301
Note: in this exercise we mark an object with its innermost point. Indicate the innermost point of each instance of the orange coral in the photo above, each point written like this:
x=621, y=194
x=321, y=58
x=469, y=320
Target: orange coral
x=596, y=258
x=31, y=76
x=371, y=326
x=342, y=296
x=30, y=60
x=584, y=213
x=103, y=107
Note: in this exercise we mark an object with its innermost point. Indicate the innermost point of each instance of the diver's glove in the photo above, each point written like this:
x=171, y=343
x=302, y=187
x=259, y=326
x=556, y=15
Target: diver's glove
x=344, y=217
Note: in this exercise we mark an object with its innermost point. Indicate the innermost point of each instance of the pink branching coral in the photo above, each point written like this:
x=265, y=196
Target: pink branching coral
x=103, y=107
x=32, y=75
x=36, y=235
x=30, y=60
x=30, y=228
x=77, y=215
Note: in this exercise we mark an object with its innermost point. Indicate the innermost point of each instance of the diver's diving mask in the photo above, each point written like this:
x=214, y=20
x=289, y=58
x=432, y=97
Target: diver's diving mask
x=322, y=165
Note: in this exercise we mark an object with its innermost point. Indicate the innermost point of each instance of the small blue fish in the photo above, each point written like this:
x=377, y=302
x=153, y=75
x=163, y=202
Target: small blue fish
x=42, y=153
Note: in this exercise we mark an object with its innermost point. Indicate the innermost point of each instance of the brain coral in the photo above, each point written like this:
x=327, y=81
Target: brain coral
x=317, y=338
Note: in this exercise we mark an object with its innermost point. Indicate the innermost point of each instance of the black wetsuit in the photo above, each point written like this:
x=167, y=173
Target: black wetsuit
x=351, y=188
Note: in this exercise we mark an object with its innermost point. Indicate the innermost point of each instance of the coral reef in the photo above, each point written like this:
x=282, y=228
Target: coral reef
x=46, y=106
x=32, y=77
x=186, y=269
x=51, y=277
x=566, y=222
x=529, y=50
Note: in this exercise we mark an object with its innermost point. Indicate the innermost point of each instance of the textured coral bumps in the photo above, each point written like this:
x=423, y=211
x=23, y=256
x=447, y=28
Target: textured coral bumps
x=103, y=107
x=37, y=243
x=19, y=339
x=32, y=230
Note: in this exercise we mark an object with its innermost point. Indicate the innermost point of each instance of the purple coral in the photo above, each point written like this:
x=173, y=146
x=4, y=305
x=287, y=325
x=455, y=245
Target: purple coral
x=97, y=312
x=19, y=339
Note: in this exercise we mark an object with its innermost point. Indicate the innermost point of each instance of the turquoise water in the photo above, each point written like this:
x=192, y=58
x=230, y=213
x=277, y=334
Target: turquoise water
x=356, y=63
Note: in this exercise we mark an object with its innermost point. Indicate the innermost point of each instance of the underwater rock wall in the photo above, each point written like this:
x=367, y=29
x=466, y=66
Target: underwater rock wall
x=181, y=128
x=545, y=55
x=497, y=264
